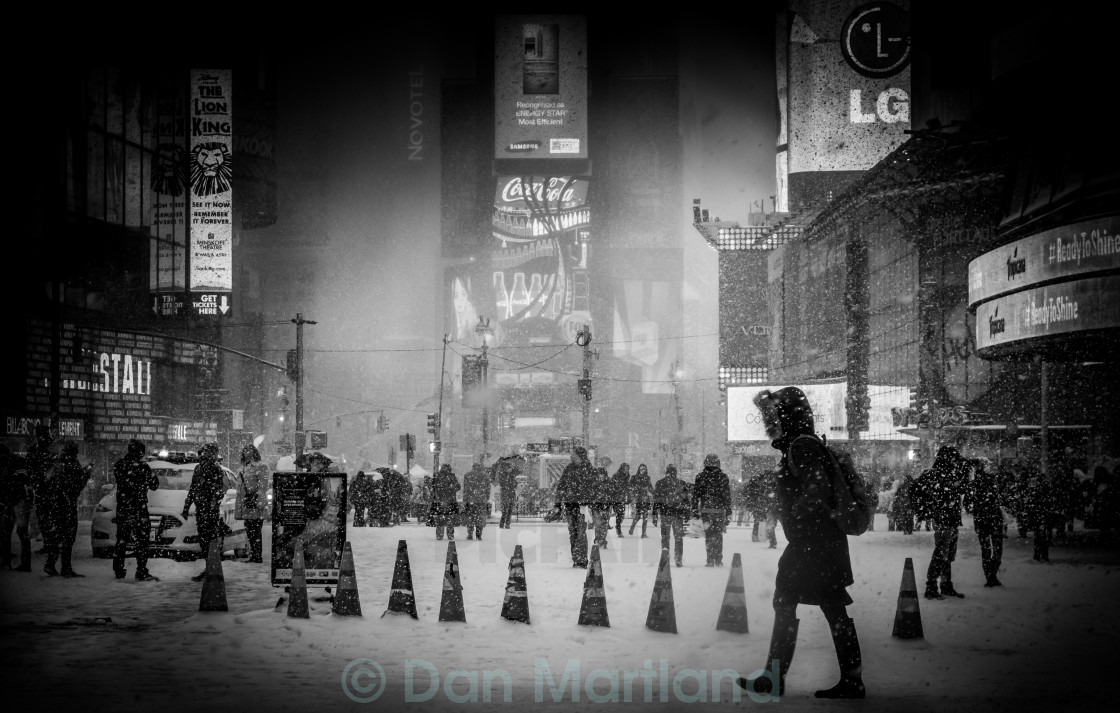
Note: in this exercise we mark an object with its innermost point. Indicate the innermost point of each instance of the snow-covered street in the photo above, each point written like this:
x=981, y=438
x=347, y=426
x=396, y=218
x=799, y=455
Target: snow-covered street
x=1044, y=641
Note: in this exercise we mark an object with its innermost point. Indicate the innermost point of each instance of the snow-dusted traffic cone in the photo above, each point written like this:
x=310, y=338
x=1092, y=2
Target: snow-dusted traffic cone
x=593, y=610
x=733, y=613
x=451, y=606
x=402, y=599
x=662, y=614
x=516, y=604
x=908, y=617
x=214, y=584
x=346, y=601
x=297, y=588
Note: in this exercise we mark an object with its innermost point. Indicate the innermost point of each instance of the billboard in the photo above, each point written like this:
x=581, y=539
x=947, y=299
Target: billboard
x=745, y=424
x=846, y=102
x=744, y=313
x=1064, y=308
x=540, y=87
x=648, y=307
x=211, y=191
x=308, y=509
x=1078, y=249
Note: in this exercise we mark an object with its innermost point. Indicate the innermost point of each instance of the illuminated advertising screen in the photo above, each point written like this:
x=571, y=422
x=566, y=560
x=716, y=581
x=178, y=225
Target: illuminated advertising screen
x=744, y=423
x=847, y=81
x=1063, y=308
x=211, y=191
x=1079, y=249
x=308, y=509
x=540, y=87
x=166, y=177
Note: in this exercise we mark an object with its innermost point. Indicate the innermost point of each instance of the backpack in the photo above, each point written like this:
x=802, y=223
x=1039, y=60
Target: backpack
x=853, y=505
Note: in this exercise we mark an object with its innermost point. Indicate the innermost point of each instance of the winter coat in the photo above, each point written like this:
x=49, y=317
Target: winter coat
x=134, y=479
x=476, y=486
x=943, y=486
x=208, y=487
x=620, y=481
x=506, y=471
x=984, y=500
x=359, y=494
x=712, y=492
x=641, y=488
x=671, y=497
x=815, y=567
x=58, y=499
x=15, y=483
x=900, y=503
x=603, y=488
x=576, y=486
x=445, y=485
x=252, y=479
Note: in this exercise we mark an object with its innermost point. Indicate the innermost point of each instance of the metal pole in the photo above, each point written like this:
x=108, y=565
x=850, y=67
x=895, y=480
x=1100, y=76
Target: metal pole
x=439, y=417
x=586, y=432
x=485, y=403
x=1044, y=428
x=299, y=322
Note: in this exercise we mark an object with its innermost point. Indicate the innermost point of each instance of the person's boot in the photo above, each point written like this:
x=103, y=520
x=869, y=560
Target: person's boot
x=948, y=590
x=783, y=642
x=146, y=576
x=49, y=566
x=850, y=658
x=201, y=576
x=931, y=590
x=67, y=567
x=754, y=533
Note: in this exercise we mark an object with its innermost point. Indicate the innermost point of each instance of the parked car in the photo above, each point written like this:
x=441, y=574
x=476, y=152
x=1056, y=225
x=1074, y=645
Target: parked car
x=171, y=537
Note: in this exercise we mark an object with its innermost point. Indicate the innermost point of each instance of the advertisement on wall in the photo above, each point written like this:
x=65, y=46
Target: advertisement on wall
x=847, y=102
x=744, y=315
x=1064, y=308
x=827, y=400
x=211, y=191
x=167, y=183
x=1068, y=251
x=308, y=510
x=540, y=87
x=648, y=310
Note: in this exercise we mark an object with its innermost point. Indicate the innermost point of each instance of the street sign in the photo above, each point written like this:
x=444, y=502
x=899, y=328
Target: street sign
x=211, y=303
x=168, y=304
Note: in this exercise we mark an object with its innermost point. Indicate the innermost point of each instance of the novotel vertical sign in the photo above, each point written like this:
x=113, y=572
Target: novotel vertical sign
x=211, y=191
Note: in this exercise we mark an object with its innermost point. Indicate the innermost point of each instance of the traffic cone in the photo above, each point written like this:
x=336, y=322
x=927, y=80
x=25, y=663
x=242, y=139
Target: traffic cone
x=516, y=604
x=451, y=606
x=908, y=617
x=214, y=585
x=402, y=600
x=346, y=601
x=662, y=613
x=593, y=610
x=297, y=588
x=733, y=613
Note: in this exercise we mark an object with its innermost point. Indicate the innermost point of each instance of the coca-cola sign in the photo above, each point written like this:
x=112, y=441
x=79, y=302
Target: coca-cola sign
x=546, y=192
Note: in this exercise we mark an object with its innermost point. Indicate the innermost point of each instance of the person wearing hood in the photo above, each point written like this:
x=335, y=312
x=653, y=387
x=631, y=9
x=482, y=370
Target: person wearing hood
x=506, y=471
x=476, y=500
x=815, y=567
x=943, y=487
x=359, y=498
x=208, y=487
x=671, y=502
x=712, y=505
x=574, y=489
x=58, y=509
x=445, y=505
x=134, y=479
x=984, y=499
x=379, y=498
x=641, y=494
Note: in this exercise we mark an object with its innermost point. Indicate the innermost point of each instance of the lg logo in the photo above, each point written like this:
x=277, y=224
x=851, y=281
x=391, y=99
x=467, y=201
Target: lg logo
x=892, y=106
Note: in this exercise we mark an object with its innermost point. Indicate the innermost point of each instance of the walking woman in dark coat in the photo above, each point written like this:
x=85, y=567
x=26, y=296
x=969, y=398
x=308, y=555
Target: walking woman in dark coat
x=58, y=509
x=815, y=567
x=984, y=499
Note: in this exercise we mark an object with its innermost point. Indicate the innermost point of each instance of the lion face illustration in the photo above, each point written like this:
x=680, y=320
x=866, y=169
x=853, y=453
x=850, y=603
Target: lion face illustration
x=169, y=170
x=211, y=168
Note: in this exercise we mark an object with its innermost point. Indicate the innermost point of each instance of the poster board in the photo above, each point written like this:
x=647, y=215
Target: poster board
x=310, y=507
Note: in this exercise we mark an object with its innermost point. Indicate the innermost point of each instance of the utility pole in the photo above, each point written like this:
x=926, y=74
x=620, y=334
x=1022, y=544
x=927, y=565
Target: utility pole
x=299, y=321
x=583, y=339
x=674, y=375
x=439, y=418
x=484, y=331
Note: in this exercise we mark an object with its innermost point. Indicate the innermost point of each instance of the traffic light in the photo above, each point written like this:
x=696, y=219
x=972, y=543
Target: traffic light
x=317, y=439
x=585, y=388
x=282, y=394
x=433, y=423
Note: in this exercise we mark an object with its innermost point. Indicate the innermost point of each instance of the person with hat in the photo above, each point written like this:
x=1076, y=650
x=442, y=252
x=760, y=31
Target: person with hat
x=58, y=509
x=713, y=506
x=445, y=504
x=815, y=567
x=984, y=498
x=641, y=492
x=208, y=487
x=252, y=499
x=134, y=479
x=671, y=501
x=620, y=496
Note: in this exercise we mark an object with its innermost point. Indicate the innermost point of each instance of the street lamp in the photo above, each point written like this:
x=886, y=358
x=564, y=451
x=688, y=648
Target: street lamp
x=485, y=332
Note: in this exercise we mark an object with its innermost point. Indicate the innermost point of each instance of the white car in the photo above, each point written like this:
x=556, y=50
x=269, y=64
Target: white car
x=170, y=537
